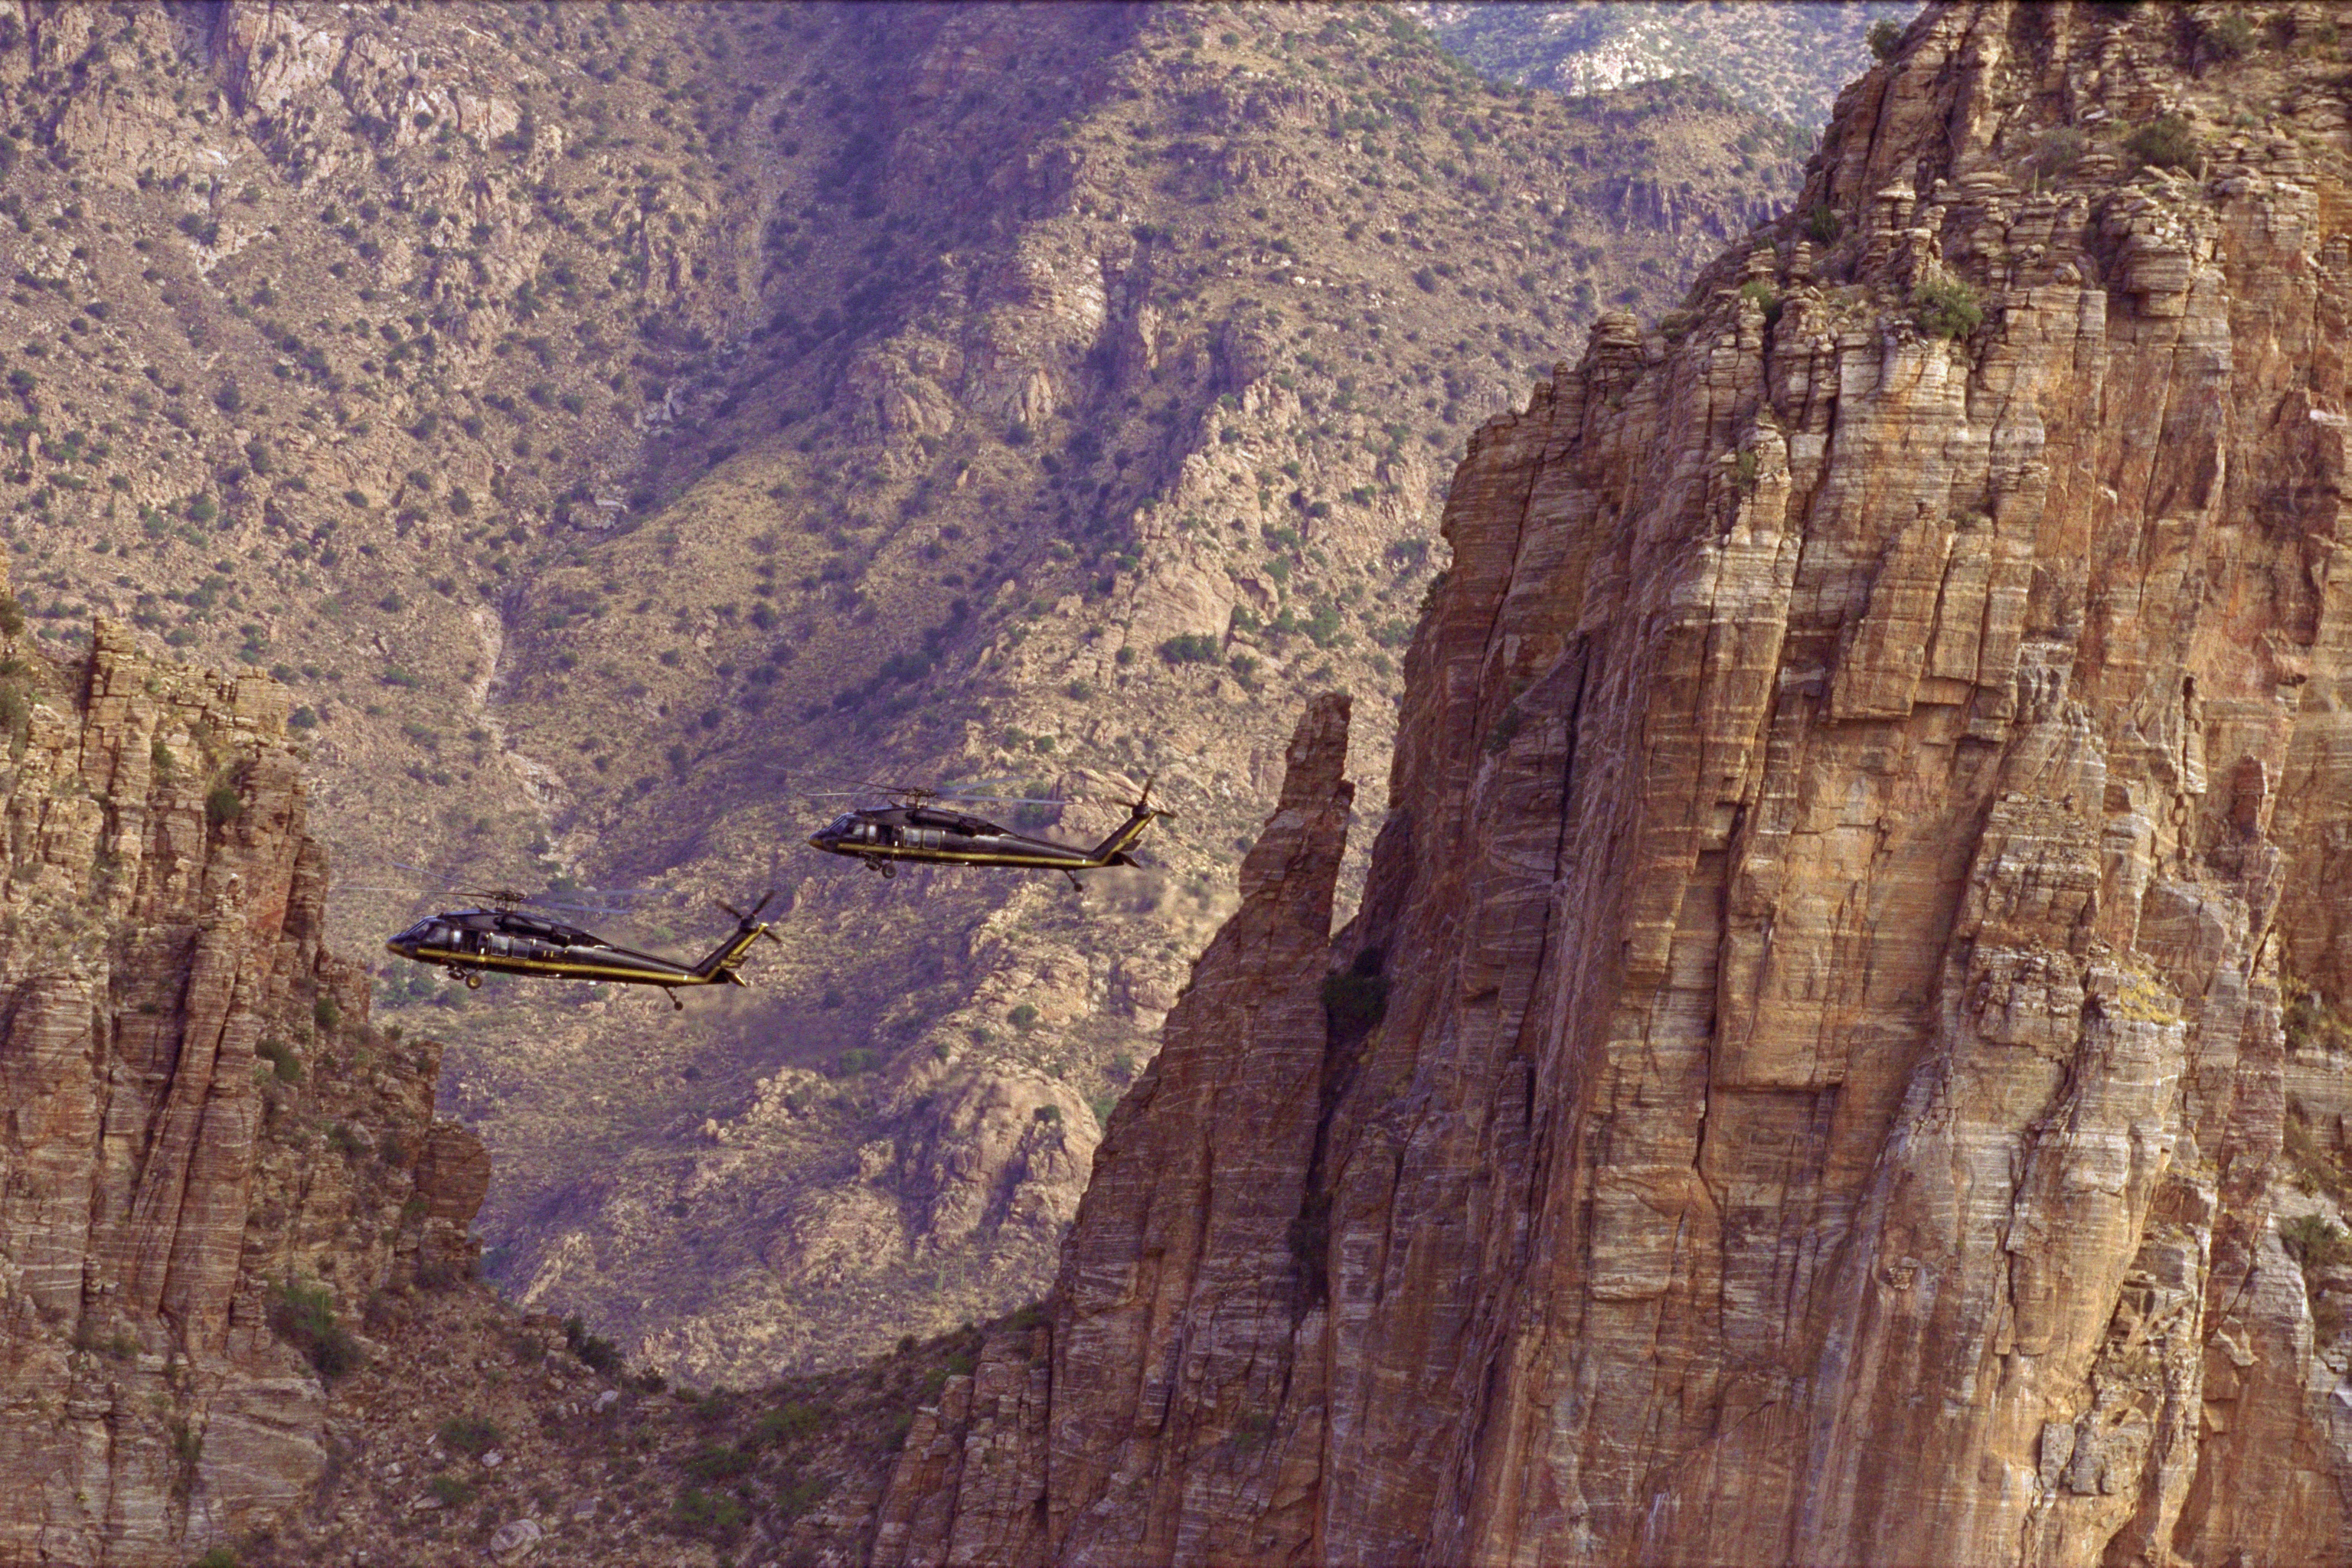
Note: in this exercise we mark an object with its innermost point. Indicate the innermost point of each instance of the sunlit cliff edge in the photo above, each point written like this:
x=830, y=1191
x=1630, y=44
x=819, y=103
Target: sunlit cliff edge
x=1857, y=936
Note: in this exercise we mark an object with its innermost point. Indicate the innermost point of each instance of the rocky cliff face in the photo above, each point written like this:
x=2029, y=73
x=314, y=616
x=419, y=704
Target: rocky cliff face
x=207, y=1158
x=1856, y=934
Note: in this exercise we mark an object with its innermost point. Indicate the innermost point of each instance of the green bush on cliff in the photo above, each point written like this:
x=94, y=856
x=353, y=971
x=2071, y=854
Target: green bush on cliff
x=788, y=1423
x=2316, y=1242
x=281, y=1059
x=223, y=805
x=1946, y=308
x=2229, y=35
x=304, y=1317
x=2166, y=143
x=600, y=1354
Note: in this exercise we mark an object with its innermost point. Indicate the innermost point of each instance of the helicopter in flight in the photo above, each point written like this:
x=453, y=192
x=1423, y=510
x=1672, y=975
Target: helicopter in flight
x=917, y=825
x=503, y=939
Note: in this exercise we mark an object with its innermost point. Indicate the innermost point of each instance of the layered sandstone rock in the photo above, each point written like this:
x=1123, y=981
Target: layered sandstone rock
x=1863, y=791
x=198, y=1124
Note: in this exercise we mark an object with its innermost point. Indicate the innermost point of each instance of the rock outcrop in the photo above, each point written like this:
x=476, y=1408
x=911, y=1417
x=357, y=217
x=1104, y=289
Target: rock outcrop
x=1808, y=1080
x=207, y=1158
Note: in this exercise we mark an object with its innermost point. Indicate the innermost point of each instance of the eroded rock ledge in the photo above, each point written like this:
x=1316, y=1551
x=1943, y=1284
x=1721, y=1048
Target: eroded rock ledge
x=1874, y=771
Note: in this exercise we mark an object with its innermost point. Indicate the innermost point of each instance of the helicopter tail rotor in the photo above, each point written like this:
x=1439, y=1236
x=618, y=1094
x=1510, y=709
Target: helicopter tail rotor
x=748, y=921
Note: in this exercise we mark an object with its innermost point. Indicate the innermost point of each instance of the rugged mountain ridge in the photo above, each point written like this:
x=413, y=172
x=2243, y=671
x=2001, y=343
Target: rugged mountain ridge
x=1854, y=932
x=1787, y=61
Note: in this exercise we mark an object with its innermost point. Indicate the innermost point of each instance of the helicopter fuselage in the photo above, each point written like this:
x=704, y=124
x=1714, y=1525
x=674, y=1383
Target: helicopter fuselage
x=883, y=836
x=507, y=942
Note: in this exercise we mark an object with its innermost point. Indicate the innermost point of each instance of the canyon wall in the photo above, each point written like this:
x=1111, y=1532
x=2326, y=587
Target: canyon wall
x=207, y=1161
x=1851, y=956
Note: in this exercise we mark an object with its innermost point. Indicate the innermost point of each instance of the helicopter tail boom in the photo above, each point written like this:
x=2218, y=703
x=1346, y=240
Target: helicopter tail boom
x=719, y=966
x=1142, y=813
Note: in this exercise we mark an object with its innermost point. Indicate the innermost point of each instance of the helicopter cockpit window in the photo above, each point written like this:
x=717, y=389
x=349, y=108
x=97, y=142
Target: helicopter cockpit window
x=843, y=826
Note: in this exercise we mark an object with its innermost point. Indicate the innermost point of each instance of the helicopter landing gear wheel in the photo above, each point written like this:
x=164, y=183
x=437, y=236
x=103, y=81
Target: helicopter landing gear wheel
x=889, y=870
x=473, y=983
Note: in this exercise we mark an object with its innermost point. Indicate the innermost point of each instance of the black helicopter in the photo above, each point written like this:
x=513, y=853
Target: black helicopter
x=913, y=827
x=503, y=939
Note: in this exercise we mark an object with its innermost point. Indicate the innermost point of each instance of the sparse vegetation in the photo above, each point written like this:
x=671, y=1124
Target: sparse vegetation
x=470, y=1435
x=2166, y=143
x=1946, y=308
x=1191, y=647
x=2315, y=1242
x=598, y=1354
x=304, y=1317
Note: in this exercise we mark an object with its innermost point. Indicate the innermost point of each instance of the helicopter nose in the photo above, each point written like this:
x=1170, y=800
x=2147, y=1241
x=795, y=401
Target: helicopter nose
x=395, y=949
x=817, y=841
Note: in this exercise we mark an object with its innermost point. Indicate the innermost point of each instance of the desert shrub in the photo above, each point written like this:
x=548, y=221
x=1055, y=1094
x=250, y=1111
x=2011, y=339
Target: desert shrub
x=598, y=1354
x=1762, y=295
x=2058, y=151
x=700, y=1512
x=1884, y=38
x=326, y=1014
x=1190, y=648
x=470, y=1435
x=453, y=1491
x=2166, y=143
x=2229, y=35
x=1023, y=1015
x=281, y=1059
x=788, y=1423
x=1049, y=1114
x=223, y=805
x=714, y=1463
x=1946, y=308
x=802, y=1493
x=1822, y=225
x=2316, y=1242
x=304, y=1317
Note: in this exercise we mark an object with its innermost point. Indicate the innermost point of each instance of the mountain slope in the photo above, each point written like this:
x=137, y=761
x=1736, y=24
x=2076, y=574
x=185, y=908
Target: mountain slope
x=604, y=418
x=1139, y=446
